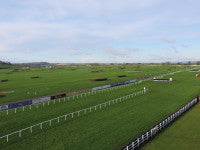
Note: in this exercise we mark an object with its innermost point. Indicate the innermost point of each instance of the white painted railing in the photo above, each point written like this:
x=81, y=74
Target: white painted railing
x=146, y=136
x=85, y=94
x=77, y=96
x=84, y=111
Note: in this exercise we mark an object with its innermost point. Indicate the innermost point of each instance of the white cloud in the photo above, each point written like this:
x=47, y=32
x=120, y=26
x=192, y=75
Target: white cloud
x=47, y=26
x=92, y=59
x=184, y=45
x=132, y=49
x=73, y=51
x=28, y=51
x=167, y=40
x=3, y=48
x=116, y=52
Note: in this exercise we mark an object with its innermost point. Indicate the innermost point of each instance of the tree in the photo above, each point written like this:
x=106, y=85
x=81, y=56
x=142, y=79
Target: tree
x=198, y=62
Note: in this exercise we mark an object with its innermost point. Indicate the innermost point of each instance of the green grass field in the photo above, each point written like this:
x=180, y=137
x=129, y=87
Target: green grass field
x=181, y=135
x=62, y=79
x=109, y=128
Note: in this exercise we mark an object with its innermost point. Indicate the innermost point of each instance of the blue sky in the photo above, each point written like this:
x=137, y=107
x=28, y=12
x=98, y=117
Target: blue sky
x=86, y=31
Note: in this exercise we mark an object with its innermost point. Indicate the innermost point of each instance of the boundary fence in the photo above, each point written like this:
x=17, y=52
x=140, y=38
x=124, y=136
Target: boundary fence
x=83, y=111
x=81, y=95
x=155, y=130
x=47, y=99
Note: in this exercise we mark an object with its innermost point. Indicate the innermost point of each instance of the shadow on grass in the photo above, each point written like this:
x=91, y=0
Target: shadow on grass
x=2, y=96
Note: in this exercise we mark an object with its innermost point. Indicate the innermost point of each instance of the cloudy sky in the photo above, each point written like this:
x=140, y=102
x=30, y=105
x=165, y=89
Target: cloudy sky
x=99, y=30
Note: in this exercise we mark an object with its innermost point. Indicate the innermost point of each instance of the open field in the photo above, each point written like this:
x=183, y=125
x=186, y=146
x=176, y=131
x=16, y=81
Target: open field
x=182, y=135
x=62, y=79
x=109, y=128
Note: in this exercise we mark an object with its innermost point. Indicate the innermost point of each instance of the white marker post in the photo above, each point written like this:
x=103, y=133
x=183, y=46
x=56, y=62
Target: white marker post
x=20, y=134
x=49, y=122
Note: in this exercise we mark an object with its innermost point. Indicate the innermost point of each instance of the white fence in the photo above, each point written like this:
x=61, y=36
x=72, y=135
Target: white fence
x=83, y=94
x=145, y=137
x=73, y=97
x=78, y=113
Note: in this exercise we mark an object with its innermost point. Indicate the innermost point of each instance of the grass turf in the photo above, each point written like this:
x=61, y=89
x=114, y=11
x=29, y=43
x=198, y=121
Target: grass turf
x=109, y=128
x=62, y=79
x=181, y=135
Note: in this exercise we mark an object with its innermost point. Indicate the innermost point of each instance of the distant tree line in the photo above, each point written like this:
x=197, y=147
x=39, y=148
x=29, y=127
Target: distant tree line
x=5, y=62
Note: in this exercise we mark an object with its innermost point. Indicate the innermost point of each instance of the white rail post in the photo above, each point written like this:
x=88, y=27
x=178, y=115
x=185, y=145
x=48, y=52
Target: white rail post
x=30, y=107
x=95, y=107
x=72, y=115
x=41, y=125
x=23, y=108
x=85, y=111
x=65, y=117
x=54, y=101
x=15, y=110
x=59, y=100
x=7, y=138
x=49, y=122
x=90, y=109
x=7, y=111
x=58, y=119
x=31, y=129
x=138, y=141
x=20, y=134
x=78, y=113
x=48, y=103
